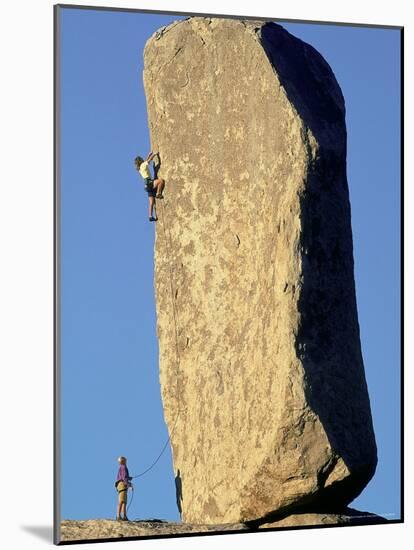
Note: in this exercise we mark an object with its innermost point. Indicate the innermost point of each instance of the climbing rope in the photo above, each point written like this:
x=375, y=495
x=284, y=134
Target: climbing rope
x=130, y=502
x=176, y=349
x=160, y=455
x=175, y=316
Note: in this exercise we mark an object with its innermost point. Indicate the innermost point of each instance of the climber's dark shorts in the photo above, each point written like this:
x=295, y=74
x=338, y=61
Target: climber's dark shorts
x=149, y=187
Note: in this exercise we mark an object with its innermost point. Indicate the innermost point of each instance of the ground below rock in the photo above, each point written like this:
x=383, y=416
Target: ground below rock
x=347, y=516
x=93, y=529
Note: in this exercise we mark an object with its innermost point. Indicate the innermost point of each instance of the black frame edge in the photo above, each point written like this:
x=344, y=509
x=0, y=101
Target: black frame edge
x=56, y=278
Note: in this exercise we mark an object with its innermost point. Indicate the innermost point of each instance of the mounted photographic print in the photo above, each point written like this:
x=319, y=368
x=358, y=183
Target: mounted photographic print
x=228, y=274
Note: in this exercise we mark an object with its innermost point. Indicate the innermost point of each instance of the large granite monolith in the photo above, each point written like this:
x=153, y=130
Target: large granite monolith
x=261, y=371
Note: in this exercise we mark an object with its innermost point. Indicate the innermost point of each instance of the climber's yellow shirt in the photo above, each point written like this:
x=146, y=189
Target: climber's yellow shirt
x=144, y=170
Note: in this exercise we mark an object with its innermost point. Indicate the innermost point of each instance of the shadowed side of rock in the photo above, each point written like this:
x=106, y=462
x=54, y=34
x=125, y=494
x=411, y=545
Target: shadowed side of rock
x=328, y=338
x=261, y=370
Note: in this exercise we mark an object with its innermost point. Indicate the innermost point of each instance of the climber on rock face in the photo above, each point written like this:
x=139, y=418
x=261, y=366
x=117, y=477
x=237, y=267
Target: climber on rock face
x=153, y=186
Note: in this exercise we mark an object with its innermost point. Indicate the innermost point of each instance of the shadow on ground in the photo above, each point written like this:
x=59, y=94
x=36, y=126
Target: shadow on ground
x=44, y=532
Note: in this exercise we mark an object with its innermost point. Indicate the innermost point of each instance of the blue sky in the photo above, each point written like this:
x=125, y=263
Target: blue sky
x=110, y=397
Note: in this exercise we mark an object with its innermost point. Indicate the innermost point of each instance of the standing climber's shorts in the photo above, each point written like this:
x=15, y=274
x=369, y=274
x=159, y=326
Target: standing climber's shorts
x=149, y=187
x=123, y=491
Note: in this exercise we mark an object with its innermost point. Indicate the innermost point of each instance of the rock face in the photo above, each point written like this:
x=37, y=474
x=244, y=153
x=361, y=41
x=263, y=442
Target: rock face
x=261, y=368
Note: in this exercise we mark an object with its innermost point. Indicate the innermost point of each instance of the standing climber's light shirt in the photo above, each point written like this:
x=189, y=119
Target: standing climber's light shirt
x=144, y=170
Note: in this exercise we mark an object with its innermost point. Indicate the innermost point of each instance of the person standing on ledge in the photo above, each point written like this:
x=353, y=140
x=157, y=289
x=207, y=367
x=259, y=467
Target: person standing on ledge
x=123, y=482
x=153, y=186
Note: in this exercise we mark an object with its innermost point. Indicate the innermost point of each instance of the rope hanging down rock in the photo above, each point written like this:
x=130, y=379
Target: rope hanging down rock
x=176, y=347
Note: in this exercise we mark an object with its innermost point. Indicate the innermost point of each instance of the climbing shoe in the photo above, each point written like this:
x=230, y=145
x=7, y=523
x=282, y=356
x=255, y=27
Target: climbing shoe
x=159, y=196
x=124, y=519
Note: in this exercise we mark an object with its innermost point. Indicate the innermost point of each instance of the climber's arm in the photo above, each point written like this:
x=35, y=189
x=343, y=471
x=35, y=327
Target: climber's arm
x=150, y=156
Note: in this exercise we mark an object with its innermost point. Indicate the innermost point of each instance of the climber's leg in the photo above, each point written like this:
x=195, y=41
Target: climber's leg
x=151, y=204
x=159, y=186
